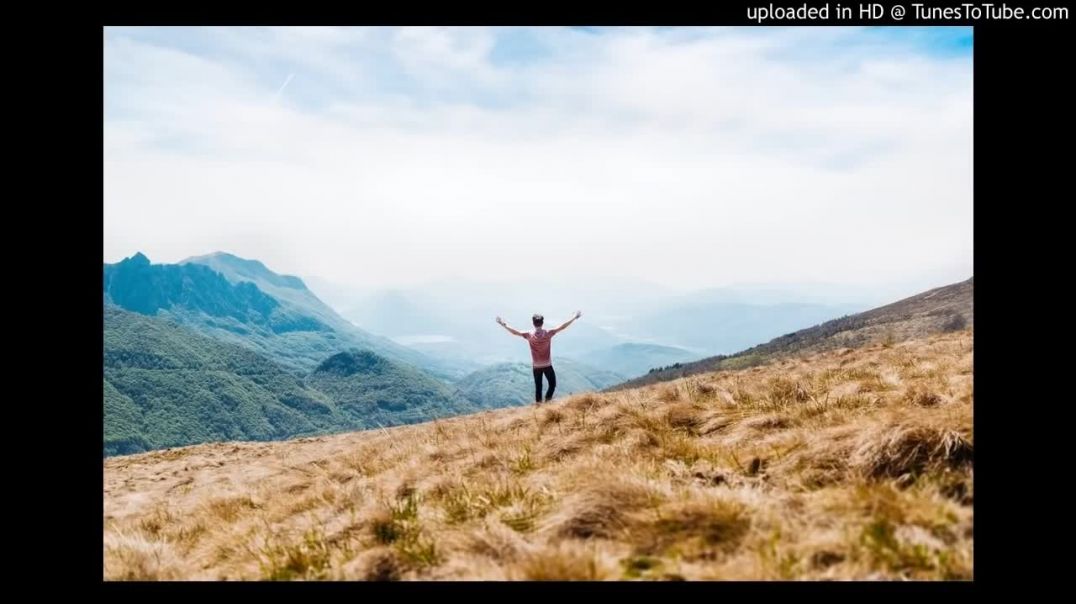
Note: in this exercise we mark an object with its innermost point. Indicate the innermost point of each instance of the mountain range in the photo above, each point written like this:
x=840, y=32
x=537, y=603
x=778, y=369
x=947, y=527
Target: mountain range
x=942, y=309
x=219, y=347
x=636, y=358
x=243, y=302
x=450, y=320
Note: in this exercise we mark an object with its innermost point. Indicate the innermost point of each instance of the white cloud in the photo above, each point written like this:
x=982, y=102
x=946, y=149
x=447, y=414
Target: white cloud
x=692, y=157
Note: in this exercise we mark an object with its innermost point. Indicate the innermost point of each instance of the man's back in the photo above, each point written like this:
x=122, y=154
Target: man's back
x=540, y=341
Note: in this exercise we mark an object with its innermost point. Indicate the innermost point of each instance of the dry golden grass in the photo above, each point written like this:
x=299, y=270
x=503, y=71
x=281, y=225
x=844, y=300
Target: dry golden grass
x=851, y=464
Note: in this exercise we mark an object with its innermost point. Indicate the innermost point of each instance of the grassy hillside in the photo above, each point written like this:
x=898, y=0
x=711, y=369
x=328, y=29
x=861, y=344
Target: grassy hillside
x=165, y=385
x=847, y=464
x=940, y=310
x=374, y=391
x=511, y=384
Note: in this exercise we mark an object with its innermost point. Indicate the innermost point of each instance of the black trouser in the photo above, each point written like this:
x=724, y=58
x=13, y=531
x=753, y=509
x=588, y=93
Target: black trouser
x=549, y=375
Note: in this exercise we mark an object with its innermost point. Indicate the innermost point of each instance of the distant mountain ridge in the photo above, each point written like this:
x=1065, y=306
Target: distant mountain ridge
x=139, y=286
x=243, y=302
x=634, y=358
x=705, y=322
x=235, y=268
x=717, y=325
x=938, y=310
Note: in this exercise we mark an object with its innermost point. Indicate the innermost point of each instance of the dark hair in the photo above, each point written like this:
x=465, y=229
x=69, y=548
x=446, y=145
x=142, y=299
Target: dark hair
x=537, y=319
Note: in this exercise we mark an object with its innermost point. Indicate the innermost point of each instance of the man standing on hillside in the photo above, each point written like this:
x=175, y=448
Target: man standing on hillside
x=541, y=360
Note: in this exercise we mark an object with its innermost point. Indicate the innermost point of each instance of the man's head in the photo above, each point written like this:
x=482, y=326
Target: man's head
x=537, y=319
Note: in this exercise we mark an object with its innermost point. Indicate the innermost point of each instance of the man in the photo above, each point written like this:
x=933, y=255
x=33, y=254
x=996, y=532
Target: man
x=541, y=361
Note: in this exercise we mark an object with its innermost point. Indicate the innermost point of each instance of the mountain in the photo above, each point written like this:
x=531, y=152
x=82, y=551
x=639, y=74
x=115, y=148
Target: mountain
x=166, y=386
x=509, y=384
x=452, y=320
x=719, y=326
x=634, y=358
x=290, y=291
x=243, y=302
x=400, y=313
x=478, y=341
x=457, y=325
x=393, y=312
x=844, y=465
x=942, y=309
x=374, y=391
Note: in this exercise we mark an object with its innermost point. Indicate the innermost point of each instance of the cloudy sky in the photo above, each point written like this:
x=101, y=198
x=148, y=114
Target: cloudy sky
x=690, y=157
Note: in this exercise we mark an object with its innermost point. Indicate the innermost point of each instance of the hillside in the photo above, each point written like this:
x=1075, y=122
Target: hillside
x=374, y=391
x=939, y=310
x=242, y=302
x=165, y=386
x=511, y=384
x=846, y=464
x=634, y=359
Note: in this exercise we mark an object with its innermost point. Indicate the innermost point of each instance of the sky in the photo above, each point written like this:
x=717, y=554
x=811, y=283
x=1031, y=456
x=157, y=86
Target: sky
x=686, y=157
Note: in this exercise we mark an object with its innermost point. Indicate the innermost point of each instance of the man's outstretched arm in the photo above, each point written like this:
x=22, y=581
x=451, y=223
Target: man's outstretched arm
x=514, y=332
x=567, y=323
